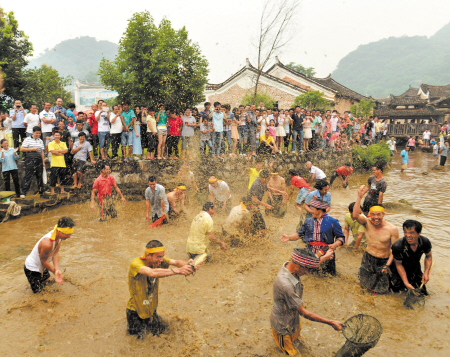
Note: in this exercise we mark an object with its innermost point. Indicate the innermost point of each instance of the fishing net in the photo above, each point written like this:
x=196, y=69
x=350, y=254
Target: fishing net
x=374, y=279
x=414, y=299
x=362, y=333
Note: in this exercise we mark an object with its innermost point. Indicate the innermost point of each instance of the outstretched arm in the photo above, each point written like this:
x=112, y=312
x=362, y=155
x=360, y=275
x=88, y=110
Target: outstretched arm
x=337, y=325
x=356, y=214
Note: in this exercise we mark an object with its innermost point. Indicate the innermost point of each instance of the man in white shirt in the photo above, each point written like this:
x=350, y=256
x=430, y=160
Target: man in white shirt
x=102, y=116
x=426, y=138
x=115, y=131
x=48, y=120
x=31, y=120
x=316, y=173
x=217, y=120
x=391, y=144
x=220, y=192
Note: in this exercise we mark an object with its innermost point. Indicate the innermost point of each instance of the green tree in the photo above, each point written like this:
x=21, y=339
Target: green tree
x=368, y=157
x=312, y=100
x=363, y=109
x=249, y=99
x=156, y=64
x=309, y=72
x=44, y=84
x=14, y=49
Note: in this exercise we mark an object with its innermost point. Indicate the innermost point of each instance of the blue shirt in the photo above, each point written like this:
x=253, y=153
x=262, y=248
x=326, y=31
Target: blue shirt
x=58, y=115
x=70, y=114
x=404, y=155
x=217, y=119
x=9, y=160
x=127, y=117
x=18, y=123
x=330, y=230
x=310, y=196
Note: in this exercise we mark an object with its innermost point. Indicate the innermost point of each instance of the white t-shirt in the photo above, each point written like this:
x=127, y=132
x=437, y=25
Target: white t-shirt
x=436, y=149
x=391, y=144
x=237, y=220
x=7, y=123
x=319, y=173
x=426, y=135
x=103, y=122
x=31, y=120
x=47, y=128
x=116, y=127
x=221, y=192
x=188, y=130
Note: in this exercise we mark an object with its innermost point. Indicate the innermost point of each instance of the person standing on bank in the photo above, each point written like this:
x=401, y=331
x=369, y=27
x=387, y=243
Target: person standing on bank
x=321, y=232
x=37, y=265
x=8, y=158
x=103, y=188
x=288, y=302
x=17, y=114
x=34, y=161
x=155, y=194
x=129, y=124
x=81, y=150
x=376, y=186
x=407, y=252
x=143, y=283
x=58, y=164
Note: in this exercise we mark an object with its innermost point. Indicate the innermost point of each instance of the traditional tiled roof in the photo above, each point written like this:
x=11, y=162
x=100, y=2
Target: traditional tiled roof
x=436, y=91
x=406, y=113
x=411, y=92
x=405, y=100
x=327, y=82
x=255, y=71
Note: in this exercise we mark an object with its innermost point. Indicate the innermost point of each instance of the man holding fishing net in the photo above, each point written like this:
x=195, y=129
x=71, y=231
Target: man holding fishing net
x=380, y=235
x=407, y=252
x=143, y=283
x=288, y=302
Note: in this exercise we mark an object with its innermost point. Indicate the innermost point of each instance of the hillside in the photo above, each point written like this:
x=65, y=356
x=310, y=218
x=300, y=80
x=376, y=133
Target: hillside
x=79, y=57
x=391, y=65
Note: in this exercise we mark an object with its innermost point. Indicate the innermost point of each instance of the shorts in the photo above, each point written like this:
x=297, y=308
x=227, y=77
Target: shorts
x=162, y=131
x=36, y=279
x=404, y=166
x=370, y=274
x=79, y=165
x=44, y=136
x=302, y=195
x=56, y=172
x=127, y=137
x=140, y=327
x=186, y=141
x=103, y=139
x=436, y=155
x=107, y=208
x=426, y=141
x=286, y=342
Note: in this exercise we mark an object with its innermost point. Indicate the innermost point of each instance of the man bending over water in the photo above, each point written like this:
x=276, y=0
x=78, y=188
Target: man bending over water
x=381, y=235
x=176, y=200
x=46, y=249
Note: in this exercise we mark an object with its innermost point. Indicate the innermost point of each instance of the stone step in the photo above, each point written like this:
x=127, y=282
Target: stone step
x=24, y=201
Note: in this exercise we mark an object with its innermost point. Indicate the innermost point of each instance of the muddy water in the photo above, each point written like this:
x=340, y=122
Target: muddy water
x=224, y=309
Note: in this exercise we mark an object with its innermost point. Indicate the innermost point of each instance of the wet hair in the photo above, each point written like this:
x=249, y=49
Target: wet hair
x=36, y=128
x=151, y=178
x=350, y=207
x=320, y=184
x=379, y=167
x=66, y=222
x=293, y=172
x=207, y=206
x=245, y=200
x=82, y=133
x=103, y=165
x=410, y=223
x=154, y=244
x=264, y=174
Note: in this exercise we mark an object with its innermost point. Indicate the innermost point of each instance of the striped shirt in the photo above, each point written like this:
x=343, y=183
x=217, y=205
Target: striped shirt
x=33, y=143
x=8, y=160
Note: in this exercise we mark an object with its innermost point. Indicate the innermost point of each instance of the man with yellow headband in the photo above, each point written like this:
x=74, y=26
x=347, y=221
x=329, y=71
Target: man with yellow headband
x=176, y=200
x=45, y=251
x=143, y=284
x=380, y=235
x=219, y=193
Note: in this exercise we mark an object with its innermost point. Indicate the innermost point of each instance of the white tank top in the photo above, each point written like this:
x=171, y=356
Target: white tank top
x=33, y=261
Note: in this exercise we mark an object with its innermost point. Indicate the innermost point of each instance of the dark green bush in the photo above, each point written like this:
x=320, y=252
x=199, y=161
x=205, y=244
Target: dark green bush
x=368, y=157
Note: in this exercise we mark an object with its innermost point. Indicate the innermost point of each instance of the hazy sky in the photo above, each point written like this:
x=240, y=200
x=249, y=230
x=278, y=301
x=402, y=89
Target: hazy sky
x=327, y=30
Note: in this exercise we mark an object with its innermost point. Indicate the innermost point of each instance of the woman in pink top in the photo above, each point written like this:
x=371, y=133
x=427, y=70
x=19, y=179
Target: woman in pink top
x=412, y=143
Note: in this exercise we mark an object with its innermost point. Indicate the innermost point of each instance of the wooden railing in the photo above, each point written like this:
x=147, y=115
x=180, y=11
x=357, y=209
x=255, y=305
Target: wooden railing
x=411, y=129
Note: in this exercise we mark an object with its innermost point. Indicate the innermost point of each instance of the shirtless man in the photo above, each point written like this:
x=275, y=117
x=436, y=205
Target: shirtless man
x=176, y=200
x=381, y=235
x=277, y=198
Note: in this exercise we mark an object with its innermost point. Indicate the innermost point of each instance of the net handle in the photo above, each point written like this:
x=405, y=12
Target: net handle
x=421, y=285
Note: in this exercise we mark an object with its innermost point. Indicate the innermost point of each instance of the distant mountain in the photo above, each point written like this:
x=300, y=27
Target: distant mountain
x=390, y=65
x=79, y=57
